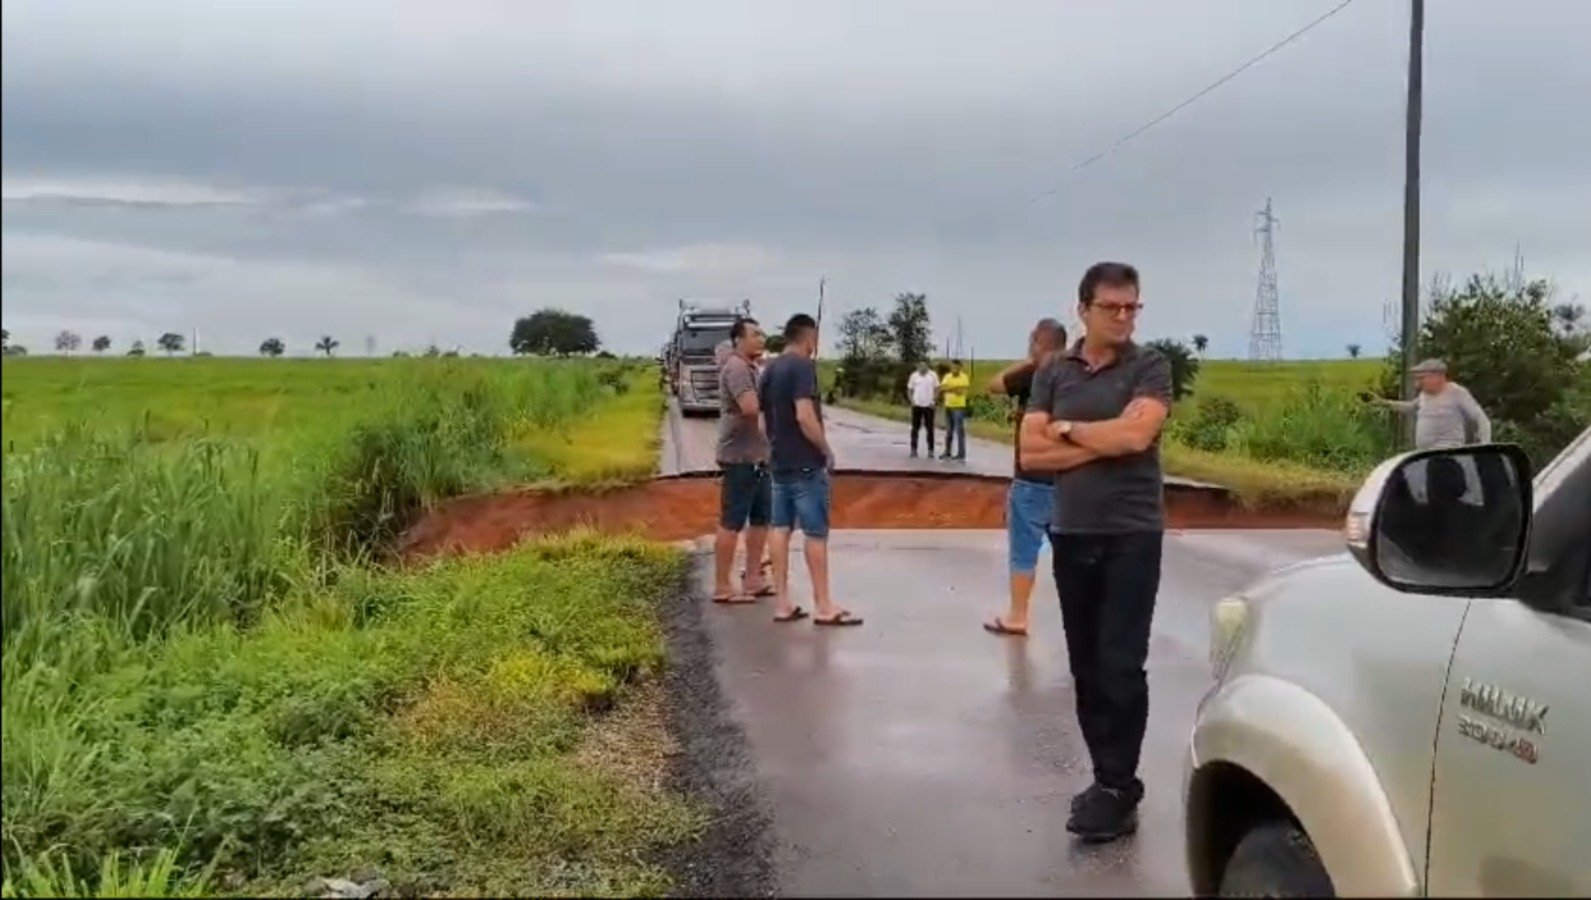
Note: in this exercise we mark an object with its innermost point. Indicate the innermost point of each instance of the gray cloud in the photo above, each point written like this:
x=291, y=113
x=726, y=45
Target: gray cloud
x=423, y=171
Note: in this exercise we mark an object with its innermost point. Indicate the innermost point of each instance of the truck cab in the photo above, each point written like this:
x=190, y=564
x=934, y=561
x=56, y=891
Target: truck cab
x=698, y=332
x=1412, y=717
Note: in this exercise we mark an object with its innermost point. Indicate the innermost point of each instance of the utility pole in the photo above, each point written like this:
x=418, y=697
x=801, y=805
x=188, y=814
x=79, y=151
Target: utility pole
x=822, y=282
x=1411, y=206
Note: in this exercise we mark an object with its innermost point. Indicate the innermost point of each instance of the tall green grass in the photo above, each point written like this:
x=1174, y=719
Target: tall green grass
x=434, y=437
x=200, y=669
x=147, y=532
x=415, y=722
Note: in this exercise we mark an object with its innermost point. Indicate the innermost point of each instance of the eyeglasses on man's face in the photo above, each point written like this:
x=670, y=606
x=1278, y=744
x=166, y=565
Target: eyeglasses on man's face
x=1118, y=310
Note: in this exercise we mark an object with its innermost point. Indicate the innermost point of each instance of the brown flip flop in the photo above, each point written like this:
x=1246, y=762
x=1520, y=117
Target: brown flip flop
x=734, y=600
x=839, y=619
x=795, y=615
x=998, y=626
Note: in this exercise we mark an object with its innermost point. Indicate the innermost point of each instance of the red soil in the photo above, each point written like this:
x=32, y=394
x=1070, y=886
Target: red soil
x=684, y=508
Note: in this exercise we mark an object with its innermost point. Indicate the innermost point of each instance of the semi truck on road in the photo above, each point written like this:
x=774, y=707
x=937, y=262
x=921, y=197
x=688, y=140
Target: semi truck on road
x=692, y=370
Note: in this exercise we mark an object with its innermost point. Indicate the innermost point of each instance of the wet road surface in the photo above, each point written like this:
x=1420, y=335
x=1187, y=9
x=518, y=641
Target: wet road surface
x=919, y=755
x=860, y=441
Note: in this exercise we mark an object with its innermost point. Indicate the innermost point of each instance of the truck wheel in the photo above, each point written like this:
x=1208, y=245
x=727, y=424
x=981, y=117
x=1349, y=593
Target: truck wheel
x=1275, y=859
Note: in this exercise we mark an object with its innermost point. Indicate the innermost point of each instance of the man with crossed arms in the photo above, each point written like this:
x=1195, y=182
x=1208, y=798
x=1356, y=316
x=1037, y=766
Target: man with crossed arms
x=1094, y=418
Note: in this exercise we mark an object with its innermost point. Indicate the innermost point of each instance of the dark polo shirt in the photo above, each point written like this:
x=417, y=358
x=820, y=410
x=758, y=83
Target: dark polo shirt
x=1114, y=495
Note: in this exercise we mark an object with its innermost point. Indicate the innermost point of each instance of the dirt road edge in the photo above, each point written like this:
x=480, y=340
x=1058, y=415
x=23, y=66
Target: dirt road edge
x=734, y=856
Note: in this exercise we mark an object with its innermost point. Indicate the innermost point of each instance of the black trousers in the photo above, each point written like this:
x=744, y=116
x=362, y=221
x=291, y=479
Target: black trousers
x=1107, y=584
x=923, y=418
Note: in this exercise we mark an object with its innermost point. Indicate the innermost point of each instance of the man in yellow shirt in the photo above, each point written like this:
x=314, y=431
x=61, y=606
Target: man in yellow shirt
x=953, y=387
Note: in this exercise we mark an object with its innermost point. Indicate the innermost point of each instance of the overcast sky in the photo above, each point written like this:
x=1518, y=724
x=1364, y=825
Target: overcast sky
x=427, y=171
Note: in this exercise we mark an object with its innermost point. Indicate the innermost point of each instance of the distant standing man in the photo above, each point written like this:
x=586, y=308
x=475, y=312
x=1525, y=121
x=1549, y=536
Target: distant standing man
x=922, y=392
x=1030, y=503
x=954, y=389
x=745, y=493
x=1445, y=412
x=801, y=462
x=1095, y=417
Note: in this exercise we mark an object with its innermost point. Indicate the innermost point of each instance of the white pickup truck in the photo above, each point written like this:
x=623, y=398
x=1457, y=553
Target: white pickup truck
x=1413, y=718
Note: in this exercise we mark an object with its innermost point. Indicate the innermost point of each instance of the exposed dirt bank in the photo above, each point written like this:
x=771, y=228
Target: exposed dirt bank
x=687, y=507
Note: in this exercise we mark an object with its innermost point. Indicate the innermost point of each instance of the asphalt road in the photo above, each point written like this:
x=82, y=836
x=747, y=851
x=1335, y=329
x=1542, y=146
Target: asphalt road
x=859, y=441
x=918, y=755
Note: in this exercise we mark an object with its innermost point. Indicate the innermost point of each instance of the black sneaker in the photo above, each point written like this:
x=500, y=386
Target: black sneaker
x=1109, y=814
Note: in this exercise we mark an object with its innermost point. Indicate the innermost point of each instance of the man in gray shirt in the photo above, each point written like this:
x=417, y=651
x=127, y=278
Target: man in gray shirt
x=1094, y=417
x=745, y=493
x=1445, y=413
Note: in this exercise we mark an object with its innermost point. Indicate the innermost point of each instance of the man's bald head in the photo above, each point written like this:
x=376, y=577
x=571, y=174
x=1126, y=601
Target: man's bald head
x=1048, y=336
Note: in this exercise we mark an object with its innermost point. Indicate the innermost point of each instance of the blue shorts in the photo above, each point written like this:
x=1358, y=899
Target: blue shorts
x=1028, y=510
x=801, y=500
x=744, y=496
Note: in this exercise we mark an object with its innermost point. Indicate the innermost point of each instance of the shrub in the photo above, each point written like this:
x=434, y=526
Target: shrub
x=1330, y=430
x=1516, y=352
x=1210, y=425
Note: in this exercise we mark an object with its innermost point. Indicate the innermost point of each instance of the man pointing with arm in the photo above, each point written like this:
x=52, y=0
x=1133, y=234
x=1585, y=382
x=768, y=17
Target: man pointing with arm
x=1095, y=418
x=1445, y=412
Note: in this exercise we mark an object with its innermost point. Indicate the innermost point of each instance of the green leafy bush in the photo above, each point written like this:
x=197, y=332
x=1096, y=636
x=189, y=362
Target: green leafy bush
x=1316, y=427
x=1516, y=351
x=1210, y=426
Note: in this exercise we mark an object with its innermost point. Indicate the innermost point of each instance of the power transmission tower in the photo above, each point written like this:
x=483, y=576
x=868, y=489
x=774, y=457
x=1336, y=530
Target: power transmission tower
x=1265, y=334
x=370, y=345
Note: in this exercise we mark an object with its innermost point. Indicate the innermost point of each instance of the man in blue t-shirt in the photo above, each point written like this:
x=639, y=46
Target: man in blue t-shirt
x=800, y=461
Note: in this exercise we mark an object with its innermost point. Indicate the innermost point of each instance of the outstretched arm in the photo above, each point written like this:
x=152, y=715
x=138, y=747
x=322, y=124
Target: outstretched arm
x=999, y=383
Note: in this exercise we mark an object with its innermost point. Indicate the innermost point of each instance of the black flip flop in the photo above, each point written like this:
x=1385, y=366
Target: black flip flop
x=839, y=620
x=795, y=615
x=764, y=591
x=998, y=626
x=734, y=600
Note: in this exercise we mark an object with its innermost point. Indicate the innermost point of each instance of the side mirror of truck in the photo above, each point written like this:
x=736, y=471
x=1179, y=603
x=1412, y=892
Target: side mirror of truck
x=1452, y=522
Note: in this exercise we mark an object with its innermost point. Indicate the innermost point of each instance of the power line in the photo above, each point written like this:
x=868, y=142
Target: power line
x=1191, y=100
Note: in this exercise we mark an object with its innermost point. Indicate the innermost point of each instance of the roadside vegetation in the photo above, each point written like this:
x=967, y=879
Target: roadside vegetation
x=1299, y=433
x=215, y=681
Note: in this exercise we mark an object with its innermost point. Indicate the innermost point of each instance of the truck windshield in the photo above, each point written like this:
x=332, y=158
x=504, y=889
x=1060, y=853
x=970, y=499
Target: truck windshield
x=702, y=340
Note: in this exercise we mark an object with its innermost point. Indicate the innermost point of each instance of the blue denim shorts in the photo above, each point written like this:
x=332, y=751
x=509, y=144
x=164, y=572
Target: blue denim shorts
x=744, y=496
x=1028, y=509
x=801, y=500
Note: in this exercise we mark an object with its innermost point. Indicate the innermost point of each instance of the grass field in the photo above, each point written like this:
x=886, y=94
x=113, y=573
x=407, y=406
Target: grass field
x=212, y=686
x=1251, y=384
x=1264, y=393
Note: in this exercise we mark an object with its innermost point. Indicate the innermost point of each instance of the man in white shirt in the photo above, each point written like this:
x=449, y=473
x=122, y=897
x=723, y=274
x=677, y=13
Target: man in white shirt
x=922, y=391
